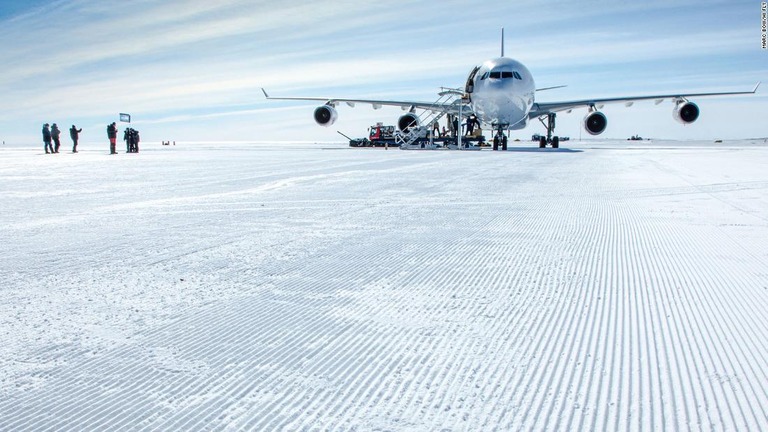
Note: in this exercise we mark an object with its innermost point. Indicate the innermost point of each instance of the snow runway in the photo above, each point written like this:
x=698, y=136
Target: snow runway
x=296, y=287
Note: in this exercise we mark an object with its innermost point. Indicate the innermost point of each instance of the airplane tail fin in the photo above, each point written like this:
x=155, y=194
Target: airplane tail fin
x=502, y=41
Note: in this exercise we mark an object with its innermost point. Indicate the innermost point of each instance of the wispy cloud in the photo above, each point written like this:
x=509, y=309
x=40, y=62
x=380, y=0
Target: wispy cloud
x=175, y=62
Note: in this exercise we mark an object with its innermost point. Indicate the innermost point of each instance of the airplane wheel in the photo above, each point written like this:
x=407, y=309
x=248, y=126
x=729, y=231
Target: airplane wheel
x=495, y=143
x=555, y=142
x=542, y=142
x=504, y=143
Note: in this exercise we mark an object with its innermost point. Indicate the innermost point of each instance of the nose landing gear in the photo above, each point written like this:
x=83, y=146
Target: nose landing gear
x=500, y=139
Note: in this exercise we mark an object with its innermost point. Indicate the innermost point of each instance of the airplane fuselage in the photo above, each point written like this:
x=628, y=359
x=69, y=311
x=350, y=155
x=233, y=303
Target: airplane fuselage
x=502, y=93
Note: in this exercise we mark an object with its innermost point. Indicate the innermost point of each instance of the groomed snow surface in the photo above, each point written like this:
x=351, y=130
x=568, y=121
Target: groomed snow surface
x=608, y=286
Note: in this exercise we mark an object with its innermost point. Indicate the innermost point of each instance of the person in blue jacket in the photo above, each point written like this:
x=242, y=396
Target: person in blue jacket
x=47, y=139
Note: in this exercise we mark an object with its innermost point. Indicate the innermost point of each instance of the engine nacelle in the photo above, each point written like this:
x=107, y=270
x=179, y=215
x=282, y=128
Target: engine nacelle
x=595, y=123
x=407, y=121
x=686, y=112
x=325, y=115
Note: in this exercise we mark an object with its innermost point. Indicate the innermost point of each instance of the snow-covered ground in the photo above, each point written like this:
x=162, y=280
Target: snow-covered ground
x=609, y=286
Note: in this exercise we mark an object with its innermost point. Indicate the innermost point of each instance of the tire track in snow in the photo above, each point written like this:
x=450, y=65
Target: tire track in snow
x=705, y=284
x=573, y=352
x=526, y=318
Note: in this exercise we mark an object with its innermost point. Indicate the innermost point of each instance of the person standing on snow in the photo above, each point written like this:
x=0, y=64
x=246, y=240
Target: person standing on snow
x=471, y=123
x=74, y=134
x=55, y=134
x=112, y=135
x=47, y=139
x=135, y=141
x=127, y=137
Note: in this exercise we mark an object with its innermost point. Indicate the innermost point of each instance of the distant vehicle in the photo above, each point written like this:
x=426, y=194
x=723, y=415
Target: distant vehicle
x=502, y=94
x=635, y=138
x=379, y=135
x=359, y=142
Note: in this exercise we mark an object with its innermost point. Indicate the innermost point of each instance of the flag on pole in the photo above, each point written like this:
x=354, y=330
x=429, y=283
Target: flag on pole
x=125, y=117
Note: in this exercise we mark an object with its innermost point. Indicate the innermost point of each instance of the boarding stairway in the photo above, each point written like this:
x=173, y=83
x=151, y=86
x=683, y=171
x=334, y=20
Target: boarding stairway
x=426, y=121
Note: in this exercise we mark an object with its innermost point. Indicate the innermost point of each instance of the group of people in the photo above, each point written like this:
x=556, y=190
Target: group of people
x=131, y=138
x=453, y=123
x=52, y=138
x=472, y=121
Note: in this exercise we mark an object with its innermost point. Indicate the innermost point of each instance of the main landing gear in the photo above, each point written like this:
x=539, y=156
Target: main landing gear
x=500, y=138
x=550, y=125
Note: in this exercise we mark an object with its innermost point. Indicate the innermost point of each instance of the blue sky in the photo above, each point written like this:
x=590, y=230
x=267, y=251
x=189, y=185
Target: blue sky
x=192, y=70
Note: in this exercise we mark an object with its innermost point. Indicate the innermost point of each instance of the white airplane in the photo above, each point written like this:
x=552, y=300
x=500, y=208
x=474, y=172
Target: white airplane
x=501, y=93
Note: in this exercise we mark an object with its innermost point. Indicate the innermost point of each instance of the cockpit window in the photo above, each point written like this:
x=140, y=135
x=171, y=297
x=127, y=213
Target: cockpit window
x=485, y=75
x=502, y=75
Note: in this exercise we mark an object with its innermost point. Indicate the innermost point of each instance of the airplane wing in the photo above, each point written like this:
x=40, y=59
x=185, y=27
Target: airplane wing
x=451, y=107
x=543, y=108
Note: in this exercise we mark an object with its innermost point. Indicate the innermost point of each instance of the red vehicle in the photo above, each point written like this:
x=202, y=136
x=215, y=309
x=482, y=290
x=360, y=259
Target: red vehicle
x=379, y=135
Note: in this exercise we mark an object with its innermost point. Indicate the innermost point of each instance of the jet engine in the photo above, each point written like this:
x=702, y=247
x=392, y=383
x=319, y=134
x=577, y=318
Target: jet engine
x=686, y=112
x=407, y=121
x=325, y=115
x=595, y=122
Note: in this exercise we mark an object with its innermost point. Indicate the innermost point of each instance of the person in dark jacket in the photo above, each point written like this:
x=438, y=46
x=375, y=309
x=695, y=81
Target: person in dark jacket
x=112, y=135
x=136, y=140
x=47, y=139
x=472, y=121
x=131, y=137
x=127, y=138
x=55, y=134
x=74, y=133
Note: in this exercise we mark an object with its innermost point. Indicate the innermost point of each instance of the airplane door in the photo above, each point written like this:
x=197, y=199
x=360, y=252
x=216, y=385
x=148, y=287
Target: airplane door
x=470, y=87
